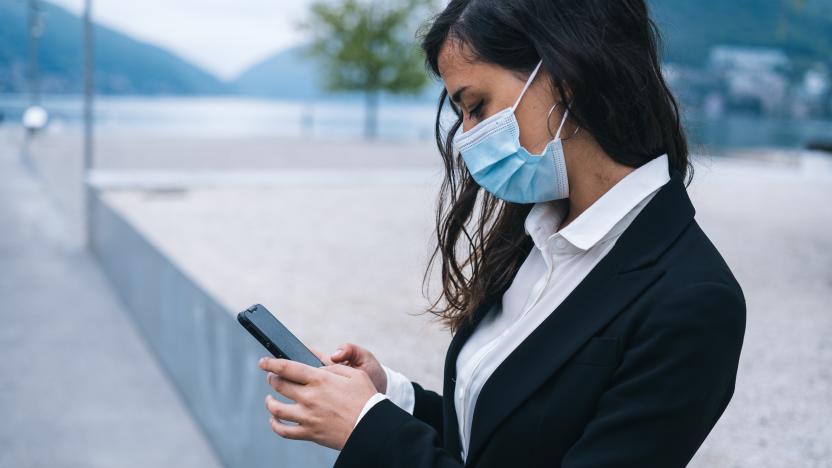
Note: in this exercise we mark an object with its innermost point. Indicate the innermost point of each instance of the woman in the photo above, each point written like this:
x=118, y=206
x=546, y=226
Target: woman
x=595, y=323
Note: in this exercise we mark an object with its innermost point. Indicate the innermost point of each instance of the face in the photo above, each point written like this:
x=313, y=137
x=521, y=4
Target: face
x=481, y=90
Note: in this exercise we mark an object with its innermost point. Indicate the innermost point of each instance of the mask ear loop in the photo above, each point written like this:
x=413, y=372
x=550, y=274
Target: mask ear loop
x=528, y=83
x=562, y=122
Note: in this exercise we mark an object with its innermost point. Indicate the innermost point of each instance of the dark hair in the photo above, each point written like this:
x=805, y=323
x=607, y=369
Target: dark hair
x=607, y=54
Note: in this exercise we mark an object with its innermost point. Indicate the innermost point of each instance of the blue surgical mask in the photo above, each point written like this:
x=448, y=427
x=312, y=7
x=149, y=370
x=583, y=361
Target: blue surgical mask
x=499, y=164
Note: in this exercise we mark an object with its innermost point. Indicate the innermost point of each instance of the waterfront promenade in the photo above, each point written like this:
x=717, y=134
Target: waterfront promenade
x=334, y=237
x=78, y=385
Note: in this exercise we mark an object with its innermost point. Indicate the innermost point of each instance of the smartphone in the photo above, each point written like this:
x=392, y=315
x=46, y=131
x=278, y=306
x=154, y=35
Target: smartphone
x=275, y=337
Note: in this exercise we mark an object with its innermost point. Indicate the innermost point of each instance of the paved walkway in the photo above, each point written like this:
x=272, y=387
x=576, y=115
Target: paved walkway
x=78, y=386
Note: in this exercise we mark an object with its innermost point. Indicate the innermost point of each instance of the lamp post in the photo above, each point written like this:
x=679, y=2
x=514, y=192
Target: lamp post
x=35, y=117
x=35, y=30
x=89, y=70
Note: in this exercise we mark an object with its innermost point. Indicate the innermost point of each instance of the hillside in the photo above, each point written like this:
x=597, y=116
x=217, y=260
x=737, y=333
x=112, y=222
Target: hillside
x=286, y=74
x=123, y=65
x=802, y=28
x=291, y=74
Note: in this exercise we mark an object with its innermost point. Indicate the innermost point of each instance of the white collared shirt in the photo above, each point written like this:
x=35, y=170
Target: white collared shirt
x=558, y=262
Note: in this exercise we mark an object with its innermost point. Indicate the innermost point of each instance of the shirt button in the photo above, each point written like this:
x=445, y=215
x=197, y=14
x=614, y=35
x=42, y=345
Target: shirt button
x=560, y=243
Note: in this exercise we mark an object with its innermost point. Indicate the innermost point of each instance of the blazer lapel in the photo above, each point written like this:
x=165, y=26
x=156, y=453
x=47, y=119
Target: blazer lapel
x=617, y=280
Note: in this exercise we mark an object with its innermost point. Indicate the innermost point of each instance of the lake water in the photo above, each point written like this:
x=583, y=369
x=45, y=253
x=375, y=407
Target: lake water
x=220, y=117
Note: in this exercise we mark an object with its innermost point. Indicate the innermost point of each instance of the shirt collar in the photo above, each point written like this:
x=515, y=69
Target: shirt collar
x=603, y=219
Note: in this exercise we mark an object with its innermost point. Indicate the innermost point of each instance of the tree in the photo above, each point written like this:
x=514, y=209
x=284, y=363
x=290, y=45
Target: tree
x=369, y=46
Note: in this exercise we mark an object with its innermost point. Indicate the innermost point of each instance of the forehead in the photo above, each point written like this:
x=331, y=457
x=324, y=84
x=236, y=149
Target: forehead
x=455, y=57
x=459, y=66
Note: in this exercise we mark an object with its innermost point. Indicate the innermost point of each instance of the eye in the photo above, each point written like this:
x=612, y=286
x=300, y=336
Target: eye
x=455, y=108
x=476, y=112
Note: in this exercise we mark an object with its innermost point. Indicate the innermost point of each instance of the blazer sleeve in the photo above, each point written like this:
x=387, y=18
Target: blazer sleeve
x=675, y=380
x=426, y=405
x=390, y=437
x=428, y=408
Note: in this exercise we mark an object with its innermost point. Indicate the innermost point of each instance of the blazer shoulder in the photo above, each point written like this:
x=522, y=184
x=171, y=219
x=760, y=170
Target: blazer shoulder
x=694, y=259
x=697, y=291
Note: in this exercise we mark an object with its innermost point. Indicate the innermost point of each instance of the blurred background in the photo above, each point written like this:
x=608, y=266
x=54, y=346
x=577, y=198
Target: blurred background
x=164, y=165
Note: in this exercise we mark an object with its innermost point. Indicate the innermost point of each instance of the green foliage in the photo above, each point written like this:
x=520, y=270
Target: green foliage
x=369, y=45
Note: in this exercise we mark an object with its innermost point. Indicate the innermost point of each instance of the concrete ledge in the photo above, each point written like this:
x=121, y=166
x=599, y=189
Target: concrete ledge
x=208, y=356
x=205, y=179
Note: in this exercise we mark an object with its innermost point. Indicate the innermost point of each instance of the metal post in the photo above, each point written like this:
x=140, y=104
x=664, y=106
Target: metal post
x=35, y=30
x=32, y=80
x=89, y=70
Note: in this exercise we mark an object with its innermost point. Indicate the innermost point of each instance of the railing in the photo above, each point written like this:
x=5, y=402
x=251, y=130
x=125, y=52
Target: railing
x=206, y=354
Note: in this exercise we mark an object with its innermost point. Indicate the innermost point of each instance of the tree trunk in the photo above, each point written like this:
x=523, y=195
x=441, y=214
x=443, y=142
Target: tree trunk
x=371, y=115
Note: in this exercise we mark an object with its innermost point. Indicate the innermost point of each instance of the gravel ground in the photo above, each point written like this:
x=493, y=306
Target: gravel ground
x=344, y=262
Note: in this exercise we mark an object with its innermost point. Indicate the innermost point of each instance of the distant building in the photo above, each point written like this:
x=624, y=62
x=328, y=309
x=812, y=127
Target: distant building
x=693, y=87
x=755, y=80
x=727, y=58
x=812, y=96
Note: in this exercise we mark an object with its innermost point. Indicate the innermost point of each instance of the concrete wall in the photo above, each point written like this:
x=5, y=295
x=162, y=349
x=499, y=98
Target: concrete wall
x=205, y=352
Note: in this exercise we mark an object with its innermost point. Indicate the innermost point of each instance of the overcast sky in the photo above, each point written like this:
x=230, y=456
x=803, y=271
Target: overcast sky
x=222, y=36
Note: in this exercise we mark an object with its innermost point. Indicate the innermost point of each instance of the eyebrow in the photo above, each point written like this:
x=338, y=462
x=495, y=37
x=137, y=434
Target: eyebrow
x=458, y=94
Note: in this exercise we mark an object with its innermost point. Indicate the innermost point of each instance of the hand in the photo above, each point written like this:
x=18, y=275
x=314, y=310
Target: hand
x=359, y=358
x=327, y=400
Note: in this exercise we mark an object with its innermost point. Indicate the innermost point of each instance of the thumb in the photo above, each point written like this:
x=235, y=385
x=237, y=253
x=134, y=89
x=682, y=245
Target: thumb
x=345, y=352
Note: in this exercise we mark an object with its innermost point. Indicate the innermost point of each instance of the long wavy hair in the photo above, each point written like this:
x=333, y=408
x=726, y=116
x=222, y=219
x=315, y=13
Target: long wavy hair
x=606, y=53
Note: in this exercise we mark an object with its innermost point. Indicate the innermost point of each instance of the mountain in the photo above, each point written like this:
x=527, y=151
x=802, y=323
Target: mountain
x=291, y=74
x=123, y=65
x=286, y=74
x=801, y=28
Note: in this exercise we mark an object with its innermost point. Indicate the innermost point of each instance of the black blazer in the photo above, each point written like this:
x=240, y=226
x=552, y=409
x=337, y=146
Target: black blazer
x=633, y=369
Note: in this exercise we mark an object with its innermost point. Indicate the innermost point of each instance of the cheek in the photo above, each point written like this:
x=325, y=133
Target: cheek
x=529, y=142
x=534, y=136
x=469, y=123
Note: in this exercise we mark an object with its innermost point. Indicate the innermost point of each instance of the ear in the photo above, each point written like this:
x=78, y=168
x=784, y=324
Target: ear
x=566, y=94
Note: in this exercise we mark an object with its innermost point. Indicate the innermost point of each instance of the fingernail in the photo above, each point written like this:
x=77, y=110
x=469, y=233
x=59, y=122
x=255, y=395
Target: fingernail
x=261, y=361
x=338, y=351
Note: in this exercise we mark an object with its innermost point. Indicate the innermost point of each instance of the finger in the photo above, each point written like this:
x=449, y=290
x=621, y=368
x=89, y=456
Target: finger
x=287, y=388
x=291, y=370
x=284, y=411
x=288, y=431
x=324, y=359
x=341, y=370
x=345, y=352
